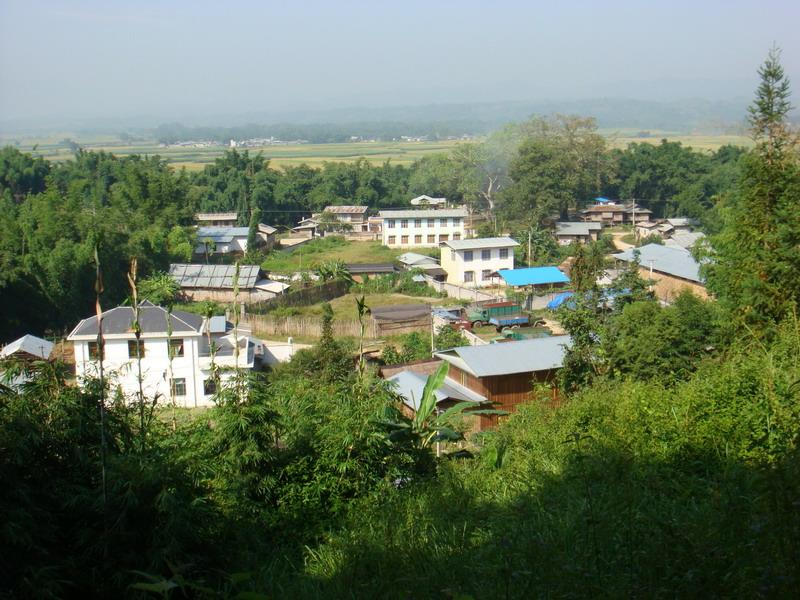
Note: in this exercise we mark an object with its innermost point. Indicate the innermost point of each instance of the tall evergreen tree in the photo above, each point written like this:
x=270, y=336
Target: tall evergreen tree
x=756, y=267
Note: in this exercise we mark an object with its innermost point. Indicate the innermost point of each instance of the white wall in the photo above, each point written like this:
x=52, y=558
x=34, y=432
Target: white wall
x=123, y=371
x=455, y=264
x=425, y=229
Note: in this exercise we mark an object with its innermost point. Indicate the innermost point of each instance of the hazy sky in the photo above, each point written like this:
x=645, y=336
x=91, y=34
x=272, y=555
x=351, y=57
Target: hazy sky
x=107, y=58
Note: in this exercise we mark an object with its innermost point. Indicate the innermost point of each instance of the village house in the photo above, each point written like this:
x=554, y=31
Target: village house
x=352, y=217
x=686, y=240
x=217, y=219
x=216, y=282
x=17, y=355
x=475, y=262
x=671, y=270
x=188, y=339
x=613, y=213
x=426, y=200
x=231, y=240
x=430, y=227
x=361, y=271
x=429, y=265
x=582, y=231
x=499, y=376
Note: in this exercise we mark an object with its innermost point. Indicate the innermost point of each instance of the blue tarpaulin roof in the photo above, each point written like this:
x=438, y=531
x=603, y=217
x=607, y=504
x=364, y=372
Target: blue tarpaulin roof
x=533, y=276
x=559, y=300
x=601, y=200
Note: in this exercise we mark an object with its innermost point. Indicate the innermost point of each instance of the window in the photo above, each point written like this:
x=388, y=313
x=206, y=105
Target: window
x=443, y=237
x=431, y=239
x=486, y=274
x=417, y=239
x=456, y=221
x=442, y=222
x=404, y=239
x=503, y=252
x=452, y=254
x=469, y=276
x=179, y=385
x=390, y=223
x=134, y=349
x=392, y=240
x=417, y=222
x=209, y=387
x=176, y=348
x=486, y=254
x=456, y=236
x=468, y=256
x=431, y=222
x=94, y=351
x=404, y=224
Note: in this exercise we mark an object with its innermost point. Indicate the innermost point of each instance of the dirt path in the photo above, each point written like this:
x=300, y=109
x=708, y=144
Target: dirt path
x=618, y=241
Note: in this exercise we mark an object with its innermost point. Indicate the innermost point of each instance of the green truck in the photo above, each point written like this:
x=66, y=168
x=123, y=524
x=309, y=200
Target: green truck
x=499, y=314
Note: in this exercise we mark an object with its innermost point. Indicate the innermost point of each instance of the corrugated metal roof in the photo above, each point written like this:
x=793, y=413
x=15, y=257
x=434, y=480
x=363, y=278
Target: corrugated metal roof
x=218, y=216
x=684, y=239
x=425, y=199
x=410, y=386
x=152, y=319
x=221, y=234
x=213, y=276
x=525, y=356
x=672, y=261
x=348, y=209
x=533, y=276
x=565, y=228
x=481, y=243
x=443, y=213
x=30, y=344
x=401, y=312
x=412, y=258
x=359, y=268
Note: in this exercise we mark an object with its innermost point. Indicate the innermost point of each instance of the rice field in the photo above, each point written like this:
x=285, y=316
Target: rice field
x=314, y=155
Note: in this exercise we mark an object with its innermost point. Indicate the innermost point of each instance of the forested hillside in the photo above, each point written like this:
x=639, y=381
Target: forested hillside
x=669, y=467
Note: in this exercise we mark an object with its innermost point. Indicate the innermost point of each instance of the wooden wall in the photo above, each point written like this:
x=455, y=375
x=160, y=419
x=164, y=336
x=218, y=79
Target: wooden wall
x=506, y=392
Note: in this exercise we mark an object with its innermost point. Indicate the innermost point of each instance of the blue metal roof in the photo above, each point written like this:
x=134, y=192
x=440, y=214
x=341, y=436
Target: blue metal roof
x=533, y=276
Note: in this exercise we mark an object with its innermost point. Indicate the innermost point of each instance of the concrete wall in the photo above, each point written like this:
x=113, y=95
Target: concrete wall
x=424, y=228
x=454, y=263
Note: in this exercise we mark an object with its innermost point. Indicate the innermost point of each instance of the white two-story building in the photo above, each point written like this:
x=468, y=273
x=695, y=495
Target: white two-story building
x=187, y=380
x=475, y=262
x=409, y=228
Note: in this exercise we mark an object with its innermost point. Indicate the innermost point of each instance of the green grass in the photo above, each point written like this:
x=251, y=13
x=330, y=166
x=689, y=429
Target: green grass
x=344, y=307
x=312, y=254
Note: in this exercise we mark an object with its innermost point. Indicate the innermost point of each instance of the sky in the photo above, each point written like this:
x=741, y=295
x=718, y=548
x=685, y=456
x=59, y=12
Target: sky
x=178, y=59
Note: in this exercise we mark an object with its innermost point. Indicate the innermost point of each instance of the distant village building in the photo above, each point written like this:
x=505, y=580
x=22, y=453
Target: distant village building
x=672, y=270
x=218, y=219
x=429, y=265
x=426, y=200
x=583, y=232
x=427, y=227
x=16, y=356
x=231, y=240
x=475, y=262
x=352, y=219
x=187, y=379
x=613, y=213
x=216, y=282
x=355, y=217
x=361, y=271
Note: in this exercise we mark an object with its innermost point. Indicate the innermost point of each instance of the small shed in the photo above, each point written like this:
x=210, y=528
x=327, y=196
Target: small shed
x=401, y=318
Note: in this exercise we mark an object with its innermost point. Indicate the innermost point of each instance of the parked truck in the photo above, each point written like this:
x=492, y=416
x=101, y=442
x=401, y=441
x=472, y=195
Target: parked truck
x=499, y=314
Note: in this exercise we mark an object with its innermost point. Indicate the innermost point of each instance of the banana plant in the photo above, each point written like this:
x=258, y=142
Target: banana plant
x=430, y=426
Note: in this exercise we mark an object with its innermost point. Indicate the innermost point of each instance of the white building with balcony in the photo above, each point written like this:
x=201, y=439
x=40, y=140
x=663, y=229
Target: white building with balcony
x=410, y=228
x=186, y=379
x=475, y=262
